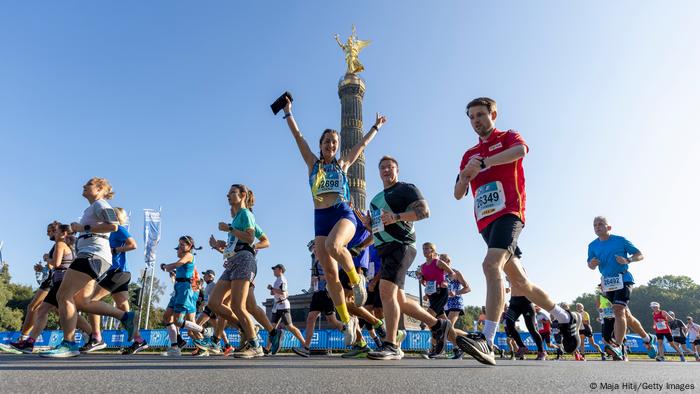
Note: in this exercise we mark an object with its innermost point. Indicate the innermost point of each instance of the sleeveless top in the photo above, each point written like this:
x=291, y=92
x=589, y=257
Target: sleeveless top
x=660, y=323
x=606, y=306
x=455, y=302
x=329, y=178
x=185, y=271
x=59, y=272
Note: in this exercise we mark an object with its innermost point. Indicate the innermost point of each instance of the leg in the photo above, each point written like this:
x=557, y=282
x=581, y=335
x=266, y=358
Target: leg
x=239, y=295
x=330, y=270
x=621, y=321
x=218, y=304
x=310, y=323
x=32, y=309
x=388, y=291
x=518, y=279
x=42, y=316
x=73, y=282
x=94, y=320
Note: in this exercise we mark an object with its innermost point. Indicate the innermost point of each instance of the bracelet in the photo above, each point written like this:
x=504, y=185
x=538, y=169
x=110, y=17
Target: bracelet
x=374, y=127
x=287, y=115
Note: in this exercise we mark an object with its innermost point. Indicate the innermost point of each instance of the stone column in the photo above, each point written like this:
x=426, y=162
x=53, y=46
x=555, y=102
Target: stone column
x=351, y=90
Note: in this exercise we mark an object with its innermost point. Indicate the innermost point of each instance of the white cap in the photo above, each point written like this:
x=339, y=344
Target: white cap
x=654, y=304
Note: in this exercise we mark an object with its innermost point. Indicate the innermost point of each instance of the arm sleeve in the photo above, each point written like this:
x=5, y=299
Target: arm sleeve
x=513, y=138
x=629, y=248
x=591, y=253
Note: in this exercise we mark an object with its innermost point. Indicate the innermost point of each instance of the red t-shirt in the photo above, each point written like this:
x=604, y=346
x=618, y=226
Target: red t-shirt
x=498, y=190
x=660, y=323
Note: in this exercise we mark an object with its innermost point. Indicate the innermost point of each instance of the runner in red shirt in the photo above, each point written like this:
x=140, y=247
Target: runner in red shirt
x=663, y=331
x=493, y=169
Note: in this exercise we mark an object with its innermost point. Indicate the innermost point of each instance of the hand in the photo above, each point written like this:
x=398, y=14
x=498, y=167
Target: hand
x=162, y=267
x=372, y=285
x=269, y=287
x=288, y=106
x=364, y=218
x=76, y=227
x=379, y=121
x=622, y=260
x=594, y=262
x=38, y=267
x=426, y=298
x=212, y=241
x=388, y=218
x=223, y=226
x=473, y=167
x=452, y=294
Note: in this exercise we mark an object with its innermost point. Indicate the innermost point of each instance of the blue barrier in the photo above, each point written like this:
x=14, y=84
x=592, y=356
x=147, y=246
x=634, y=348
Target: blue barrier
x=322, y=339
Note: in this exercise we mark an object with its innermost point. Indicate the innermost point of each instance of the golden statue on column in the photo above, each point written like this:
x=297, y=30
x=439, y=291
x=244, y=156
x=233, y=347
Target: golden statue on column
x=352, y=50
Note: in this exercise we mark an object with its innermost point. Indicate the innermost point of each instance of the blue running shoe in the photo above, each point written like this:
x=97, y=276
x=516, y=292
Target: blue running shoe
x=63, y=350
x=651, y=350
x=275, y=341
x=202, y=344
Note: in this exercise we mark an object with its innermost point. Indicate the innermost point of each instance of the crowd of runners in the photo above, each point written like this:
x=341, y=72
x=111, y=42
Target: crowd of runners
x=360, y=263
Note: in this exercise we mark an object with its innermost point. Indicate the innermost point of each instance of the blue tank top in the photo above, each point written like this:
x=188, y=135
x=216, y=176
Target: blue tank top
x=185, y=271
x=455, y=302
x=332, y=179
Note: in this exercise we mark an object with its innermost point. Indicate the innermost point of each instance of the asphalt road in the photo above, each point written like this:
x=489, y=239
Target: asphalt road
x=151, y=373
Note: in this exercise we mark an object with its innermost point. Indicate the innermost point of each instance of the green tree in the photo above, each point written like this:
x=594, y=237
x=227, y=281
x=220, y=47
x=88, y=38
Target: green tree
x=10, y=318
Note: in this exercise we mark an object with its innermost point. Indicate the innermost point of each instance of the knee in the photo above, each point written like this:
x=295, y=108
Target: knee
x=334, y=247
x=492, y=269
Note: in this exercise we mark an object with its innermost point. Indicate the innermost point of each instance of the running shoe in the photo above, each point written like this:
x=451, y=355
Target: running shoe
x=93, y=345
x=201, y=353
x=24, y=346
x=457, y=353
x=228, y=349
x=614, y=352
x=440, y=335
x=660, y=358
x=129, y=325
x=202, y=344
x=682, y=358
x=651, y=347
x=400, y=336
x=380, y=330
x=578, y=357
x=8, y=349
x=275, y=340
x=249, y=351
x=541, y=356
x=386, y=352
x=214, y=347
x=172, y=352
x=602, y=356
x=349, y=331
x=476, y=345
x=359, y=290
x=135, y=348
x=357, y=351
x=302, y=351
x=522, y=351
x=377, y=342
x=63, y=350
x=569, y=333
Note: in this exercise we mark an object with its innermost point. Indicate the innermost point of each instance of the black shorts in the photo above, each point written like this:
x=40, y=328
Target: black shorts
x=396, y=260
x=373, y=298
x=282, y=314
x=115, y=281
x=622, y=296
x=345, y=279
x=519, y=306
x=696, y=342
x=586, y=331
x=608, y=330
x=83, y=264
x=461, y=311
x=438, y=300
x=321, y=302
x=209, y=313
x=503, y=233
x=679, y=340
x=546, y=337
x=52, y=297
x=557, y=339
x=661, y=337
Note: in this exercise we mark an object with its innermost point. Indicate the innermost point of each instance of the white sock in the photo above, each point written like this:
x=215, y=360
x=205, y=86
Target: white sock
x=193, y=326
x=23, y=337
x=559, y=314
x=490, y=328
x=647, y=339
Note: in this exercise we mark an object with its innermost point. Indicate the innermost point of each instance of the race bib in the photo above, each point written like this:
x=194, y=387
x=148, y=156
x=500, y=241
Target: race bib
x=676, y=332
x=377, y=224
x=661, y=325
x=230, y=249
x=489, y=199
x=612, y=283
x=607, y=313
x=430, y=287
x=331, y=184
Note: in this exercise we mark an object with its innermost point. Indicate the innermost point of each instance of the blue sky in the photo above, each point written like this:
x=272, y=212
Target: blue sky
x=169, y=101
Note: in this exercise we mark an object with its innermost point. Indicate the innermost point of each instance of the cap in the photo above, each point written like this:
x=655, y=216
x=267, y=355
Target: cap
x=654, y=304
x=280, y=266
x=209, y=272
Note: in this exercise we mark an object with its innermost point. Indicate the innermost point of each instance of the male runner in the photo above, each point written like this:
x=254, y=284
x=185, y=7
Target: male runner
x=493, y=169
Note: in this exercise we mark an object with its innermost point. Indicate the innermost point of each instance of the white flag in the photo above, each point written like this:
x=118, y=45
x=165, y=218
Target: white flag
x=151, y=235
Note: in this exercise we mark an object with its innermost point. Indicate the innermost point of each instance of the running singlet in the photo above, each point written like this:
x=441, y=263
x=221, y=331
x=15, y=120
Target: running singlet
x=614, y=275
x=361, y=234
x=281, y=302
x=585, y=317
x=59, y=272
x=543, y=324
x=185, y=271
x=329, y=178
x=660, y=323
x=432, y=275
x=96, y=243
x=243, y=220
x=498, y=190
x=693, y=331
x=394, y=199
x=118, y=239
x=606, y=307
x=455, y=302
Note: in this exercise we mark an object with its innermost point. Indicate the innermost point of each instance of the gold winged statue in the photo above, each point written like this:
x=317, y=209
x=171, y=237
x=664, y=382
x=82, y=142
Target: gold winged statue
x=352, y=50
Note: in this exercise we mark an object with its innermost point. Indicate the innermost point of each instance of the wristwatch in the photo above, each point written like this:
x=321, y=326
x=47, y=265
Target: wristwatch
x=230, y=227
x=397, y=217
x=482, y=165
x=86, y=228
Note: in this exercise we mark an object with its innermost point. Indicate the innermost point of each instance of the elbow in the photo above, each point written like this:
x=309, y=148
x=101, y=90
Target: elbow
x=112, y=227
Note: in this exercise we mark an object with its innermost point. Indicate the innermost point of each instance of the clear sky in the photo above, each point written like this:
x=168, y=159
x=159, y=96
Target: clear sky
x=169, y=101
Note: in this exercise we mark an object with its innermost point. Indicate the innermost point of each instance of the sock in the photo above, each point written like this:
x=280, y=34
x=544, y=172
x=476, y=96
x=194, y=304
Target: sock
x=353, y=276
x=559, y=313
x=646, y=339
x=23, y=337
x=379, y=324
x=489, y=331
x=97, y=336
x=343, y=312
x=362, y=343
